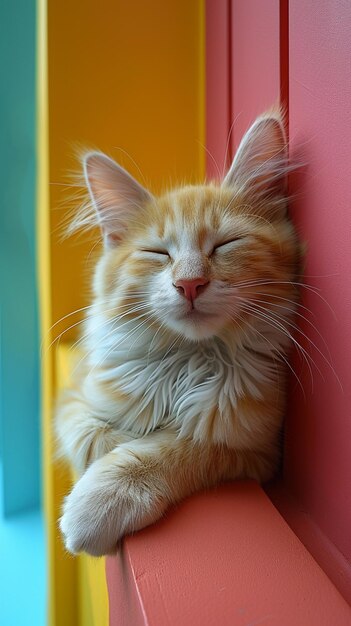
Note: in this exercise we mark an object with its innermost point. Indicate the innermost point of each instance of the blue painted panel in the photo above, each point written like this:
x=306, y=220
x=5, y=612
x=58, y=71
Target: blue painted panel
x=19, y=372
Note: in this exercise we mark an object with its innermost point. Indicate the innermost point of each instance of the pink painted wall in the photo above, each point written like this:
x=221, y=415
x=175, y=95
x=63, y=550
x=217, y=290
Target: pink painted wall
x=300, y=51
x=218, y=80
x=246, y=70
x=318, y=450
x=255, y=60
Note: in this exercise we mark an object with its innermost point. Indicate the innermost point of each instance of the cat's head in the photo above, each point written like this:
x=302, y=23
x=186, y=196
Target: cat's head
x=195, y=260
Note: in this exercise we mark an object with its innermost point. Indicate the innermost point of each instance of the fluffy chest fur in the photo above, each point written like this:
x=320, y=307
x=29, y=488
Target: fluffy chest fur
x=216, y=391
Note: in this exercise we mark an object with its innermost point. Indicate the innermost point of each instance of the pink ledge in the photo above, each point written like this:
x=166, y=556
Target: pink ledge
x=221, y=558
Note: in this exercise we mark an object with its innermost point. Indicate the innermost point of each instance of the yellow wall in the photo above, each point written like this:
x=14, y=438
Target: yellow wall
x=125, y=77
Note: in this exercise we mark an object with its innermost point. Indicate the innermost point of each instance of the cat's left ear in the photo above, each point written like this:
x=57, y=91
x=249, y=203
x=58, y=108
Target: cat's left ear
x=116, y=195
x=260, y=165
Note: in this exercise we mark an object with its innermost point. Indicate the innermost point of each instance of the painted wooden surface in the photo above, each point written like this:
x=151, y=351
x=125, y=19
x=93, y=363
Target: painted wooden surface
x=280, y=47
x=255, y=60
x=246, y=71
x=218, y=87
x=223, y=557
x=19, y=341
x=318, y=449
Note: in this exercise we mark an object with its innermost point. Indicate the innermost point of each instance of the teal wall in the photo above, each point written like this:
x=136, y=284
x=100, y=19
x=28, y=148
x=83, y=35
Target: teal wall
x=19, y=371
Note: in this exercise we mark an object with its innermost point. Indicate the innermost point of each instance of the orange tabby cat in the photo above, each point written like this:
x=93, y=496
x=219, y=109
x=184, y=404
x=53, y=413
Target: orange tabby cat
x=183, y=380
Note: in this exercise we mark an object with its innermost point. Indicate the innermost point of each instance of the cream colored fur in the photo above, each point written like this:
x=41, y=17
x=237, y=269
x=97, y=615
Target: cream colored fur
x=174, y=395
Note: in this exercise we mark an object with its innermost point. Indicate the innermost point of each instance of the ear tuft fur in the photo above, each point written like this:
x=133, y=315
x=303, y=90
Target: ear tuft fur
x=115, y=194
x=260, y=166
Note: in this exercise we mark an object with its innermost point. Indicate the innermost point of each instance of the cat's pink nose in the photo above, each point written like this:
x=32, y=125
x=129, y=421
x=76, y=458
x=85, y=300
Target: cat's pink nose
x=191, y=289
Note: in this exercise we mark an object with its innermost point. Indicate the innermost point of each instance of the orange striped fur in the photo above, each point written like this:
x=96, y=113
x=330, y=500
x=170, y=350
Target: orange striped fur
x=182, y=380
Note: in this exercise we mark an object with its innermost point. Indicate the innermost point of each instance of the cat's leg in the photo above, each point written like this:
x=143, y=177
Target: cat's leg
x=82, y=435
x=132, y=486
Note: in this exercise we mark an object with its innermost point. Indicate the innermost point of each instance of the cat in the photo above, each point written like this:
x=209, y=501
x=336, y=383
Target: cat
x=183, y=375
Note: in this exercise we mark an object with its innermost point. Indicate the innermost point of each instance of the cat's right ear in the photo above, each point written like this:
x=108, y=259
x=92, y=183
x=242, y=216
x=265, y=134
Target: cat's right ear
x=116, y=195
x=261, y=162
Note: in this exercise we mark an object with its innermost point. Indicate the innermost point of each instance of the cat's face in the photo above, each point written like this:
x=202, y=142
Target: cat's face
x=196, y=260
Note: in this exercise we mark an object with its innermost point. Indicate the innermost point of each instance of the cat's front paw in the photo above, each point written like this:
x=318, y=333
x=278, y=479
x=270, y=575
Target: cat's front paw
x=110, y=500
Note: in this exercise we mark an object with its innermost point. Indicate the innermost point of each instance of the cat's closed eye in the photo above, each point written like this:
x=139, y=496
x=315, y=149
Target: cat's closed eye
x=154, y=251
x=227, y=244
